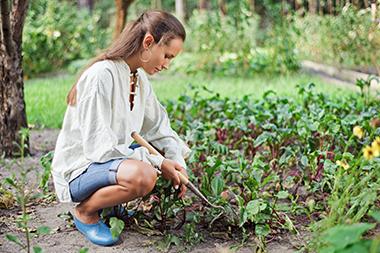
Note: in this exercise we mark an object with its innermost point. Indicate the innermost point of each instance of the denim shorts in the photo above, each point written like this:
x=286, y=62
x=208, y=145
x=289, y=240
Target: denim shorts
x=96, y=176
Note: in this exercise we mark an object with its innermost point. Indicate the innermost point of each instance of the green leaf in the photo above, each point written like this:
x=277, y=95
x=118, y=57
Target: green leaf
x=175, y=240
x=341, y=236
x=262, y=230
x=329, y=166
x=165, y=244
x=262, y=138
x=243, y=216
x=375, y=215
x=37, y=195
x=217, y=185
x=10, y=181
x=14, y=239
x=304, y=161
x=282, y=194
x=83, y=250
x=334, y=128
x=289, y=224
x=43, y=230
x=253, y=207
x=214, y=165
x=313, y=126
x=361, y=246
x=37, y=249
x=258, y=174
x=117, y=226
x=288, y=154
x=240, y=200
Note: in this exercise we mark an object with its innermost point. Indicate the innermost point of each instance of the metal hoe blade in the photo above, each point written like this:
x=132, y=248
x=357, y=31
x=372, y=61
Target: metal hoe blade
x=200, y=195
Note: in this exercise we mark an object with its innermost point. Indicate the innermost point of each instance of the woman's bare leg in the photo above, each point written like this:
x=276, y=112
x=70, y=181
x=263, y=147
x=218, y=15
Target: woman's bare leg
x=135, y=179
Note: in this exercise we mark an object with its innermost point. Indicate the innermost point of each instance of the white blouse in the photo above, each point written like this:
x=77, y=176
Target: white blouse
x=98, y=128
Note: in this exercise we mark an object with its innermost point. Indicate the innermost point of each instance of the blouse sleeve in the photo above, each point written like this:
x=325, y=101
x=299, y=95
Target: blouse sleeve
x=156, y=130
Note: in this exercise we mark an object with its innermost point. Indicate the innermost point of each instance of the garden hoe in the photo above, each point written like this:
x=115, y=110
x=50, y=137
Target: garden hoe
x=183, y=179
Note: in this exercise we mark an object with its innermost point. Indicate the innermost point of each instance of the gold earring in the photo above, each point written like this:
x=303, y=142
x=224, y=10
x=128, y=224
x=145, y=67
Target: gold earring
x=150, y=55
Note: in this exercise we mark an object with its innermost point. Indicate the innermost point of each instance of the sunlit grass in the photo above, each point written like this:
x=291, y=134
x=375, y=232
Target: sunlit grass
x=45, y=97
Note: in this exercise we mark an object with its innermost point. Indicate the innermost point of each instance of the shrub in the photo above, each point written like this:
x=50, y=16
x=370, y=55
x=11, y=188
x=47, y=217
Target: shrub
x=266, y=161
x=348, y=39
x=227, y=45
x=56, y=34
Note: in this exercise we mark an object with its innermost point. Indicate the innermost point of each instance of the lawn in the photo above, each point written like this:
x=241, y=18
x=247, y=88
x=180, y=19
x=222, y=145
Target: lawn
x=45, y=97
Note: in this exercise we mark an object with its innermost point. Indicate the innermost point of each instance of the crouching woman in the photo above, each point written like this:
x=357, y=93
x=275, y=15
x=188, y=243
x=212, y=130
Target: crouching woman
x=94, y=164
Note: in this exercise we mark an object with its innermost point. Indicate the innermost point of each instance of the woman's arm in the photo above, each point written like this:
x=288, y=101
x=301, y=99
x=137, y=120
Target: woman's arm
x=156, y=130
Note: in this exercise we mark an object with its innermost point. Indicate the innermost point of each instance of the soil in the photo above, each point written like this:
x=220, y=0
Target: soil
x=65, y=238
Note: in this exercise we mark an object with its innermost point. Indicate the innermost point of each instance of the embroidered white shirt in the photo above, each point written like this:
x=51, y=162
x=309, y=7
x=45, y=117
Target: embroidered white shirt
x=98, y=128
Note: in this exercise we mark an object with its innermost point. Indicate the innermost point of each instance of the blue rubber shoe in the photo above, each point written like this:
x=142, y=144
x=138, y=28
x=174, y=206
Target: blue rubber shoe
x=97, y=233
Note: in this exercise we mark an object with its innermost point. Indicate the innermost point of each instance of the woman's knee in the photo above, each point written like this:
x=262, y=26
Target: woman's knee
x=137, y=176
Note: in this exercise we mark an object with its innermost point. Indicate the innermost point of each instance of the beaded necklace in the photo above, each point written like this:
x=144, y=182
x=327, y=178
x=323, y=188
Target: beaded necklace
x=133, y=85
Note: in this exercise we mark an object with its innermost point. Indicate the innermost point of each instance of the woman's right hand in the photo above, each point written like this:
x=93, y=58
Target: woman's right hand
x=169, y=170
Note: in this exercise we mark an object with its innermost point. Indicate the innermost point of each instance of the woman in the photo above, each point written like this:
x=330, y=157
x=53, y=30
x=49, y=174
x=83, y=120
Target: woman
x=93, y=163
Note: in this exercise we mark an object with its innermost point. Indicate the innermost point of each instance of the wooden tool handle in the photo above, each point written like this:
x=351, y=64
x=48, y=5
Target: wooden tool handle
x=140, y=140
x=182, y=177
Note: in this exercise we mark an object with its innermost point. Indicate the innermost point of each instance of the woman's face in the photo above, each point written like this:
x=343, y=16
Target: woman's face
x=160, y=56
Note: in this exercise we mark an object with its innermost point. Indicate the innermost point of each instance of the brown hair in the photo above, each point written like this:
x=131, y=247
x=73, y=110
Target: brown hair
x=162, y=25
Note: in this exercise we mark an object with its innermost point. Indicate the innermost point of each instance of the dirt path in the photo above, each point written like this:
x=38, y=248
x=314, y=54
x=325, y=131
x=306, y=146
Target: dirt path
x=64, y=238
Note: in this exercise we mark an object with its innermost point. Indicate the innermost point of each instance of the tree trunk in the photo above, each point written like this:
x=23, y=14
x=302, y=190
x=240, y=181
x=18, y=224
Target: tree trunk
x=284, y=7
x=156, y=4
x=321, y=7
x=338, y=7
x=373, y=10
x=252, y=5
x=12, y=104
x=330, y=7
x=366, y=4
x=203, y=5
x=89, y=4
x=313, y=6
x=180, y=10
x=222, y=7
x=297, y=4
x=356, y=3
x=121, y=15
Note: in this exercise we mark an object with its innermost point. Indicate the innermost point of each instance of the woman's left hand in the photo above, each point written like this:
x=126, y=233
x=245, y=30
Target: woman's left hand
x=170, y=170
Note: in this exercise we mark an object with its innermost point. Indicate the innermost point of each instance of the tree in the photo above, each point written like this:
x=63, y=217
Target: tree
x=12, y=104
x=156, y=4
x=122, y=7
x=180, y=10
x=313, y=6
x=252, y=5
x=203, y=5
x=320, y=7
x=222, y=7
x=89, y=4
x=330, y=7
x=373, y=10
x=297, y=4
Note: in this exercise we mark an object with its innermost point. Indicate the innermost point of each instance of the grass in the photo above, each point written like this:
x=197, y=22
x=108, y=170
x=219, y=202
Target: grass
x=45, y=97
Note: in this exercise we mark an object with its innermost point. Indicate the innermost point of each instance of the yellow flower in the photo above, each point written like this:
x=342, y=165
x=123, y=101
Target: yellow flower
x=358, y=132
x=369, y=153
x=376, y=145
x=343, y=164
